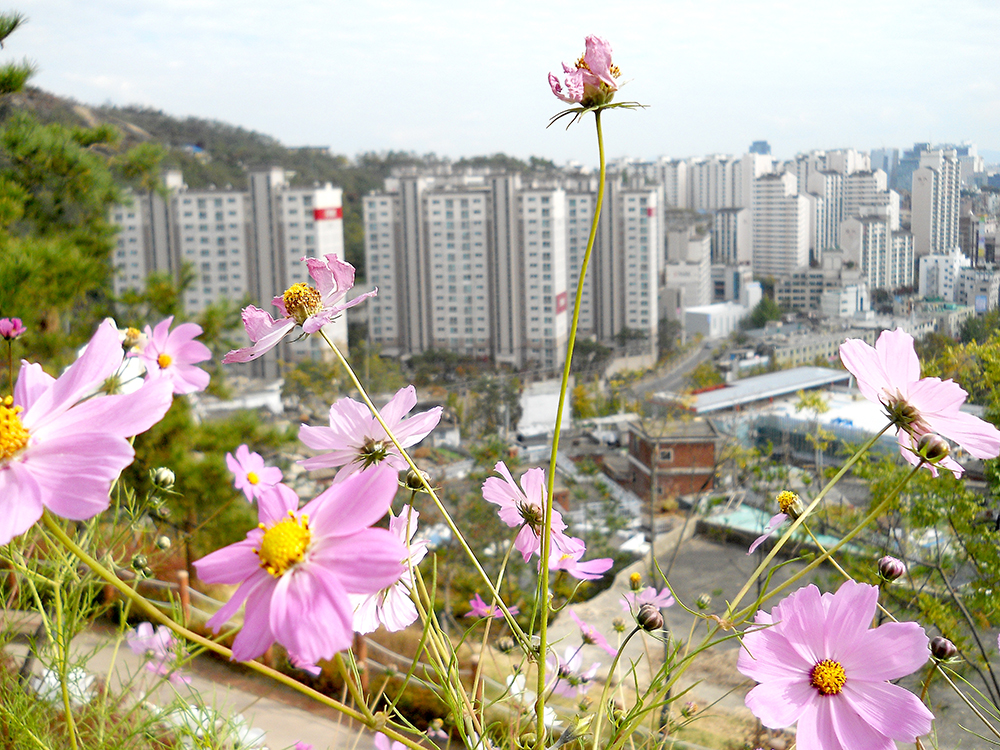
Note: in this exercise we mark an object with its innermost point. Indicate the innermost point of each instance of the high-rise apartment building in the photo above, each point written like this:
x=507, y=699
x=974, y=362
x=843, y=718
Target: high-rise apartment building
x=239, y=244
x=780, y=225
x=884, y=254
x=934, y=212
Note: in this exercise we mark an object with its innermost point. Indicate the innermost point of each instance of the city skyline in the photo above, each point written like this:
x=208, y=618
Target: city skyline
x=461, y=80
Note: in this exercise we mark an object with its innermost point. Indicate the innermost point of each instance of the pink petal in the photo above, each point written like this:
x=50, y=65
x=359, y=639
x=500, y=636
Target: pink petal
x=120, y=416
x=816, y=729
x=32, y=382
x=898, y=357
x=887, y=709
x=267, y=338
x=801, y=614
x=20, y=501
x=255, y=636
x=399, y=406
x=768, y=656
x=354, y=504
x=310, y=614
x=863, y=362
x=979, y=438
x=780, y=704
x=888, y=652
x=273, y=503
x=774, y=523
x=849, y=618
x=75, y=472
x=233, y=564
x=100, y=359
x=366, y=561
x=398, y=610
x=259, y=579
x=598, y=59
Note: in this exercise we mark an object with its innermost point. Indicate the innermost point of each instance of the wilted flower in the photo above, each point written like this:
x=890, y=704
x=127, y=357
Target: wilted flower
x=821, y=666
x=571, y=681
x=889, y=374
x=592, y=81
x=302, y=305
x=355, y=440
x=789, y=506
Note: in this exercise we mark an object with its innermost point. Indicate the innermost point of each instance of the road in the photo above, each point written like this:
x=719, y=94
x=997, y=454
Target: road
x=673, y=378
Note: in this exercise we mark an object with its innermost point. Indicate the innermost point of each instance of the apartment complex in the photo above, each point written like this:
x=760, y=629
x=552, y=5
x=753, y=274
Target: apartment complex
x=487, y=265
x=240, y=244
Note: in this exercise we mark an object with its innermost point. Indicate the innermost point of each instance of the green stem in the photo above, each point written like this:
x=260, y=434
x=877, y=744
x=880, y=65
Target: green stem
x=156, y=615
x=602, y=705
x=543, y=586
x=800, y=520
x=515, y=628
x=875, y=513
x=62, y=647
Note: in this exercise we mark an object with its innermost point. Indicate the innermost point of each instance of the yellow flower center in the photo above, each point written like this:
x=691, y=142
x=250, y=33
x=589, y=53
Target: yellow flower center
x=786, y=500
x=132, y=337
x=302, y=301
x=13, y=436
x=252, y=477
x=164, y=361
x=828, y=677
x=284, y=544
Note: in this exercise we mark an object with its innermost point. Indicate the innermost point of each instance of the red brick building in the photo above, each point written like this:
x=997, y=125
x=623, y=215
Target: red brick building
x=680, y=455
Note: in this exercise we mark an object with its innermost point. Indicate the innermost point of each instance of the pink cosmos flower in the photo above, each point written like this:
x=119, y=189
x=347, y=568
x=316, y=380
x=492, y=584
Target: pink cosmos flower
x=392, y=606
x=303, y=746
x=479, y=608
x=61, y=453
x=173, y=354
x=524, y=510
x=566, y=553
x=571, y=680
x=158, y=646
x=355, y=439
x=889, y=374
x=820, y=665
x=252, y=476
x=789, y=506
x=11, y=328
x=302, y=305
x=297, y=568
x=592, y=81
x=591, y=636
x=635, y=599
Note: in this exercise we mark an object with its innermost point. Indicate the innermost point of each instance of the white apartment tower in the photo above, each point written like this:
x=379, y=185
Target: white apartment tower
x=884, y=255
x=579, y=217
x=239, y=244
x=935, y=203
x=780, y=225
x=731, y=230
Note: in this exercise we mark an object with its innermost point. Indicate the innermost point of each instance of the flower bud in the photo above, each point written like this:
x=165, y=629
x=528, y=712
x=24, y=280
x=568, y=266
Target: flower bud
x=139, y=562
x=689, y=709
x=163, y=478
x=506, y=644
x=933, y=448
x=942, y=648
x=635, y=581
x=618, y=624
x=889, y=568
x=703, y=602
x=790, y=504
x=162, y=512
x=415, y=480
x=163, y=542
x=649, y=617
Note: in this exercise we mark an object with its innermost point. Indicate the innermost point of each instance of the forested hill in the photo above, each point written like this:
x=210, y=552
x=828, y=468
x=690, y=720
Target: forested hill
x=216, y=153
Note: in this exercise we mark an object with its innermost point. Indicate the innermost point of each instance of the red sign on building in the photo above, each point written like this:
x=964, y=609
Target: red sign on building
x=561, y=302
x=325, y=214
x=650, y=211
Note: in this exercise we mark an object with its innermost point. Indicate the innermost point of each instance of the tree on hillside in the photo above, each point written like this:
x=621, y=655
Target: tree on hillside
x=767, y=309
x=57, y=184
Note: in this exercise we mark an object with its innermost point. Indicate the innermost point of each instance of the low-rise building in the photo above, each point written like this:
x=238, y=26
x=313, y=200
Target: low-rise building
x=678, y=458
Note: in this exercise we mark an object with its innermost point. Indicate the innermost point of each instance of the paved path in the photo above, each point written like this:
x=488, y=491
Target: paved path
x=286, y=716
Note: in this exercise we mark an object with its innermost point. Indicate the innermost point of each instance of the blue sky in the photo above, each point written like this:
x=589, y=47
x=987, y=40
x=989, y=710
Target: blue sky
x=467, y=78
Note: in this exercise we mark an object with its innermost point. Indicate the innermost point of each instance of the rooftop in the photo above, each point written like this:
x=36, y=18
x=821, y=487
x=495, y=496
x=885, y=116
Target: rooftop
x=763, y=387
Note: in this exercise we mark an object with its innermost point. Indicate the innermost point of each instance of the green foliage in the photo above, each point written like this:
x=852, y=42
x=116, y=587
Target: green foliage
x=496, y=403
x=583, y=403
x=668, y=337
x=767, y=309
x=590, y=357
x=705, y=375
x=980, y=327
